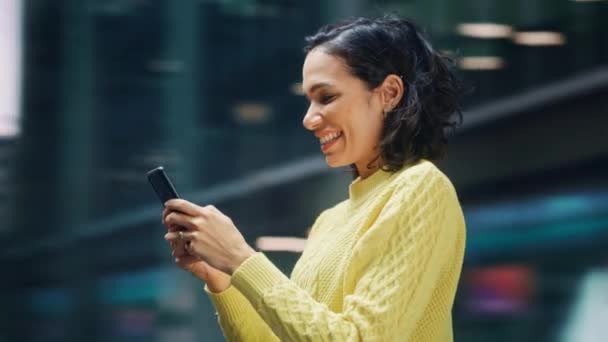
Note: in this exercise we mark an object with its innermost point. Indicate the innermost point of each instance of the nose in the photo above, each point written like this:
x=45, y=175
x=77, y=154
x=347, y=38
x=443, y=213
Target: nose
x=312, y=119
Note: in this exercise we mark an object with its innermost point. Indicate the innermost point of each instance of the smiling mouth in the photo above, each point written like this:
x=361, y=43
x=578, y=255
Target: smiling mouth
x=328, y=139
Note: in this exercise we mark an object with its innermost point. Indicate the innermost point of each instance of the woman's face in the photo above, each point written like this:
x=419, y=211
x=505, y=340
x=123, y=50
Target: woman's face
x=344, y=114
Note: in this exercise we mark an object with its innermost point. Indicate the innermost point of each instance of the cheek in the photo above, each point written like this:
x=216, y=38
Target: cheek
x=367, y=127
x=370, y=134
x=360, y=123
x=362, y=136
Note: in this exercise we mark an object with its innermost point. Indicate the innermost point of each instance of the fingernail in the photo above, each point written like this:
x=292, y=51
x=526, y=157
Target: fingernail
x=166, y=236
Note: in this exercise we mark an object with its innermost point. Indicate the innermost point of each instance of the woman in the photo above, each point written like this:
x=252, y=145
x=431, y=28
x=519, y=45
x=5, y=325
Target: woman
x=383, y=265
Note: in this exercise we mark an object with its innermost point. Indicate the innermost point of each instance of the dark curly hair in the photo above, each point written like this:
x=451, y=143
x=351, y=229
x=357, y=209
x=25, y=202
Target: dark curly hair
x=374, y=48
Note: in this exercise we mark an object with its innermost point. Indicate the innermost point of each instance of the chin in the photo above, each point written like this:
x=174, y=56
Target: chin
x=333, y=161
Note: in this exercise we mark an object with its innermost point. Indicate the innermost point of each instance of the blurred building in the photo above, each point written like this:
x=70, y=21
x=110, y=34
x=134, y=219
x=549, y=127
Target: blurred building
x=95, y=93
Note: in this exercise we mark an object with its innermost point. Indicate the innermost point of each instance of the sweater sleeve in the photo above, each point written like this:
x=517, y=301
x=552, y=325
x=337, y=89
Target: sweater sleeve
x=238, y=319
x=395, y=267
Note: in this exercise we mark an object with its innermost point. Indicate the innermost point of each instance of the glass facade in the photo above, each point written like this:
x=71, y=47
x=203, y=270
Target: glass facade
x=210, y=90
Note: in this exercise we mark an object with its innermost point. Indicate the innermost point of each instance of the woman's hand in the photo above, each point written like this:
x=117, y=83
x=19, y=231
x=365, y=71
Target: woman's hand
x=216, y=280
x=209, y=235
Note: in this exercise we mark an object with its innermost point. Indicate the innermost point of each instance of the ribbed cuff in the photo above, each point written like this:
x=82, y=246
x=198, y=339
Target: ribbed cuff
x=256, y=277
x=228, y=303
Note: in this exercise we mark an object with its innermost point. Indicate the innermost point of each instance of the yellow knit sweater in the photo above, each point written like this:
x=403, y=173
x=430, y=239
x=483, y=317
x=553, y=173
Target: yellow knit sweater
x=382, y=265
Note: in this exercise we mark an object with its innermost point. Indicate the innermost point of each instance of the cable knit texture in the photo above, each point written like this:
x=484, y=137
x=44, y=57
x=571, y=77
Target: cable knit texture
x=382, y=265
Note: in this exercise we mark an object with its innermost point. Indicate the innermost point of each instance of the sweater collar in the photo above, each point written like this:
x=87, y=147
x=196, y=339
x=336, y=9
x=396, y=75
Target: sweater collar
x=360, y=188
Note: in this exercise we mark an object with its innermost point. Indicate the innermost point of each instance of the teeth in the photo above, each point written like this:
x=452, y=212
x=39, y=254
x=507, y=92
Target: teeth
x=329, y=137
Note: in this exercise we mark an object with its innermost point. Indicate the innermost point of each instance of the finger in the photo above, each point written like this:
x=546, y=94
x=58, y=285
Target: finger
x=180, y=252
x=183, y=206
x=164, y=215
x=170, y=227
x=174, y=246
x=185, y=260
x=174, y=228
x=178, y=248
x=188, y=247
x=177, y=220
x=185, y=236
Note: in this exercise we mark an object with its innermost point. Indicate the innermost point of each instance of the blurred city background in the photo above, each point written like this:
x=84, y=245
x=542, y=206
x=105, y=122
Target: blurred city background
x=94, y=93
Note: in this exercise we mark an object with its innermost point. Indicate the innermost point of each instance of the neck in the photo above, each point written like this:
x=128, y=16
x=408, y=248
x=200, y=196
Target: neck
x=366, y=169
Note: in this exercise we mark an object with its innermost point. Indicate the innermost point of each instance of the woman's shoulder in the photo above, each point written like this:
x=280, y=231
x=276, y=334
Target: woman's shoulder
x=333, y=211
x=423, y=174
x=420, y=170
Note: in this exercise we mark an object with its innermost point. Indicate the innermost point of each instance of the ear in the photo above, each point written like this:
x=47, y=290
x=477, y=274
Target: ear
x=391, y=92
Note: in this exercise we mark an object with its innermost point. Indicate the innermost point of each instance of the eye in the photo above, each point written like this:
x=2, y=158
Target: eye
x=326, y=99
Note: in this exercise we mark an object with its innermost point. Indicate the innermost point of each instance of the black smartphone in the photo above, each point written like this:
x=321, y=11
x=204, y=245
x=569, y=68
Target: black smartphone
x=162, y=184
